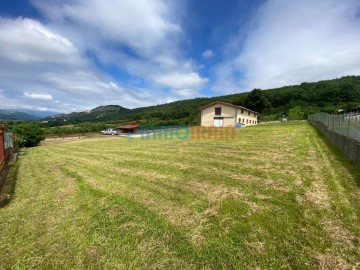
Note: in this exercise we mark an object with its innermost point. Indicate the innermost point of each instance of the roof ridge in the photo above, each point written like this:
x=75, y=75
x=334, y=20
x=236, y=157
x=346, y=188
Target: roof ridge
x=229, y=104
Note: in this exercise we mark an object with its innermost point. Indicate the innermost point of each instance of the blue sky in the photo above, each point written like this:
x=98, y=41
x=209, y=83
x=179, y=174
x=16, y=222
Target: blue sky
x=74, y=55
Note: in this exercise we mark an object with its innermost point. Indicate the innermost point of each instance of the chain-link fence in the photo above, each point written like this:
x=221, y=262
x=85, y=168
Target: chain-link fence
x=344, y=124
x=8, y=142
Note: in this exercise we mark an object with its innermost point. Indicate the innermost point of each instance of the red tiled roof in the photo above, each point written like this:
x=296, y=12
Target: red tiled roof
x=128, y=127
x=228, y=104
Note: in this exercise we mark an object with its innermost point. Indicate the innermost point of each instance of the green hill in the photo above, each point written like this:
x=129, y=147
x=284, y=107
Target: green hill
x=327, y=96
x=99, y=114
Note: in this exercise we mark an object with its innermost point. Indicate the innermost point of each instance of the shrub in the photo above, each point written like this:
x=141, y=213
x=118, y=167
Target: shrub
x=28, y=134
x=296, y=113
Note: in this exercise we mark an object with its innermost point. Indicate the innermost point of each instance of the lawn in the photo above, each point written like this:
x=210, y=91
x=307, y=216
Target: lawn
x=275, y=197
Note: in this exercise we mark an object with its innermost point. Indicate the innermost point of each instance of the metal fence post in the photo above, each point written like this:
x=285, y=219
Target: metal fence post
x=348, y=131
x=339, y=125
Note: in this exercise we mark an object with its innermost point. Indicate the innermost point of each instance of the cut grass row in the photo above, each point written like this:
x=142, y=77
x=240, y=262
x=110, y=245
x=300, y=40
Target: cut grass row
x=277, y=196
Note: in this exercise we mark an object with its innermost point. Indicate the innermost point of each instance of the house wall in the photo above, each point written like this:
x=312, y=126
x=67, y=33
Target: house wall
x=231, y=116
x=208, y=114
x=246, y=119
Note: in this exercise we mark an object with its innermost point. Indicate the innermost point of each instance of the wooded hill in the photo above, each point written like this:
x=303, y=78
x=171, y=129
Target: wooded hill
x=306, y=98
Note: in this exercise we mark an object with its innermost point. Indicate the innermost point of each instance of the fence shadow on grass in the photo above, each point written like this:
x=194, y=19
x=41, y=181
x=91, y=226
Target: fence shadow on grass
x=8, y=180
x=351, y=166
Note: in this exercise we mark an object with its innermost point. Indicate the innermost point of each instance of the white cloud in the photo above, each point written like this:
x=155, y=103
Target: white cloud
x=185, y=93
x=44, y=59
x=26, y=40
x=38, y=96
x=181, y=81
x=294, y=41
x=208, y=54
x=142, y=38
x=150, y=30
x=140, y=24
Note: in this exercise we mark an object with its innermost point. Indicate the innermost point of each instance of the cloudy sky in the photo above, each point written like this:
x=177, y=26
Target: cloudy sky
x=73, y=55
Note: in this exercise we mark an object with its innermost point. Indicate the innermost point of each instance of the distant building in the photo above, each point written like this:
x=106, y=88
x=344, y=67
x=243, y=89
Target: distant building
x=128, y=129
x=353, y=113
x=222, y=114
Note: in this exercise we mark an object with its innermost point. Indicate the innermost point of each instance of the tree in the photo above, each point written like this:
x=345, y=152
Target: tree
x=28, y=134
x=296, y=113
x=257, y=101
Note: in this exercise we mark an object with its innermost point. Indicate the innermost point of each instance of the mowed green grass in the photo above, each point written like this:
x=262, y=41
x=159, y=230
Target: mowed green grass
x=276, y=197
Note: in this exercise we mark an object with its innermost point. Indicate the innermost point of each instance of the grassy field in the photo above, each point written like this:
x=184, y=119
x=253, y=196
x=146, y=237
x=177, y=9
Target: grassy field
x=276, y=197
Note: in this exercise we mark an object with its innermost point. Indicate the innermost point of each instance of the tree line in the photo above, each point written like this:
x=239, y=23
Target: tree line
x=304, y=99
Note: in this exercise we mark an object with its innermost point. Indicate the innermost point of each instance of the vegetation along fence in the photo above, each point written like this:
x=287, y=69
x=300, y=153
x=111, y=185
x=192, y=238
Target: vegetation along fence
x=341, y=130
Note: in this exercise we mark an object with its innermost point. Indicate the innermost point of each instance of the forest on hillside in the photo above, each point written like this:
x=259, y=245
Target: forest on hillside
x=297, y=101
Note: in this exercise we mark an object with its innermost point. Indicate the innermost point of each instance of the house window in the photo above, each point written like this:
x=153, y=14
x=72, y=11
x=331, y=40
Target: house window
x=248, y=113
x=217, y=111
x=247, y=121
x=239, y=120
x=242, y=111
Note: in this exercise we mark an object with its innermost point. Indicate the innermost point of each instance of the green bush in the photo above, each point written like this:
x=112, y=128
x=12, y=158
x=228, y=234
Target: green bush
x=28, y=134
x=296, y=113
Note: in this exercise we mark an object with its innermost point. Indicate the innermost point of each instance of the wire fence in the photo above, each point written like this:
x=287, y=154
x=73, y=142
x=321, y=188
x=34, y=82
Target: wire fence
x=8, y=140
x=347, y=125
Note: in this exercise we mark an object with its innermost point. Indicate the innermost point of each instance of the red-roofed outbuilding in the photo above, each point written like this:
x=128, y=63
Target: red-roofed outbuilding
x=128, y=128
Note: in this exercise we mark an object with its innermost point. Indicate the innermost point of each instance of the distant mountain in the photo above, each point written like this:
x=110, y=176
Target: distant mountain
x=16, y=115
x=37, y=113
x=324, y=96
x=98, y=114
x=24, y=114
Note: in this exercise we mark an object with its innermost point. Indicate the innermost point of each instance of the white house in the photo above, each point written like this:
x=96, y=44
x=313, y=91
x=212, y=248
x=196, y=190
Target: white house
x=222, y=114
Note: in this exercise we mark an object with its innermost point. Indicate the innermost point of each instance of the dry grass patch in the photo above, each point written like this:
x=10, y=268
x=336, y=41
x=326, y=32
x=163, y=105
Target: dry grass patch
x=318, y=195
x=331, y=262
x=340, y=235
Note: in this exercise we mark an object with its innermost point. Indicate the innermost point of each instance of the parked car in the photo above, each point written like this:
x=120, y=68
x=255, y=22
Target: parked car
x=109, y=131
